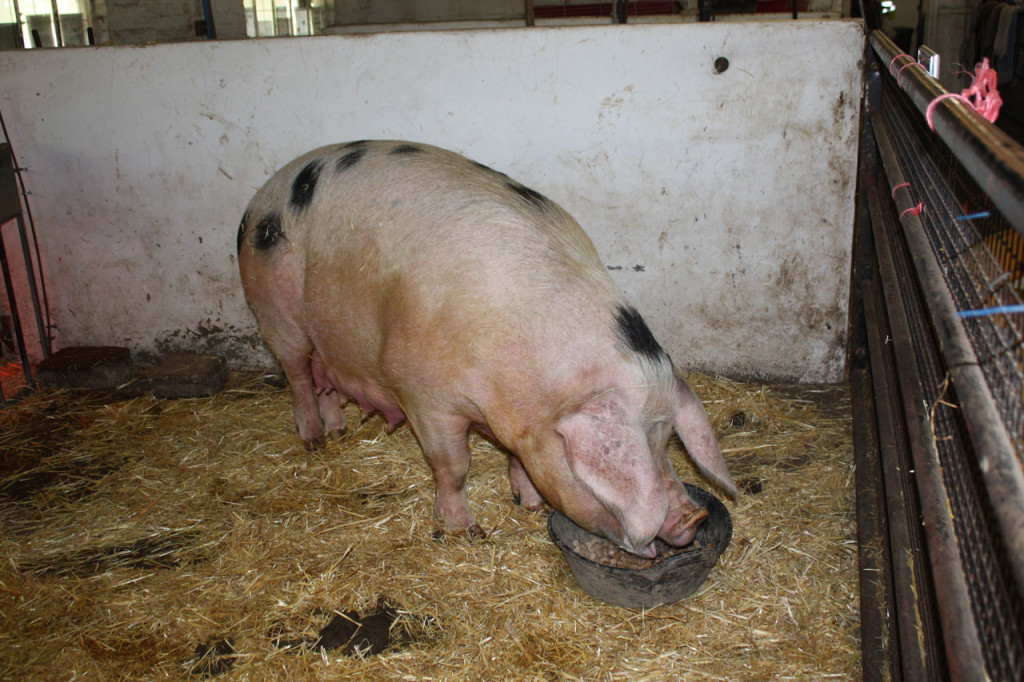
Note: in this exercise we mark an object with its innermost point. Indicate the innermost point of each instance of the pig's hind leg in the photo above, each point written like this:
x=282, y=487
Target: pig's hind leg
x=329, y=401
x=295, y=359
x=444, y=440
x=313, y=408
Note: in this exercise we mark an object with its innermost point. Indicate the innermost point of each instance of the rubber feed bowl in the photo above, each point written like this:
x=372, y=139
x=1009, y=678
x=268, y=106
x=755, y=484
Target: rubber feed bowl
x=676, y=573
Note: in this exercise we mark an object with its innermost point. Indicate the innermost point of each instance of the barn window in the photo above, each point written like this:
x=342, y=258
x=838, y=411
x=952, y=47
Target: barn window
x=265, y=18
x=44, y=23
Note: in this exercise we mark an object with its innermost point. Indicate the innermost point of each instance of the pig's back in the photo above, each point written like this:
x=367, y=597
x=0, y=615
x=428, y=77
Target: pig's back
x=399, y=202
x=410, y=251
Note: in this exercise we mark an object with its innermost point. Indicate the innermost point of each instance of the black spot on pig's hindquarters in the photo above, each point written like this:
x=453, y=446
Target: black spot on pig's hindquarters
x=305, y=185
x=406, y=149
x=350, y=158
x=267, y=233
x=635, y=333
x=532, y=197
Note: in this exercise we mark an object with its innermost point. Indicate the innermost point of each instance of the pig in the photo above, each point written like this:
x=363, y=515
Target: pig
x=433, y=289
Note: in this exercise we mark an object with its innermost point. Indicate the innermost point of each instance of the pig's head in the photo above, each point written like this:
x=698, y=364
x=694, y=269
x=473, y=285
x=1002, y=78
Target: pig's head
x=616, y=478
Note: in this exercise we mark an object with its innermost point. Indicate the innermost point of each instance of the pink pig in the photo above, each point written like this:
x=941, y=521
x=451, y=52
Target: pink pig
x=431, y=288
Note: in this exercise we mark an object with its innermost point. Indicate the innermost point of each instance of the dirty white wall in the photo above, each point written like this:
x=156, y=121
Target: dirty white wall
x=722, y=203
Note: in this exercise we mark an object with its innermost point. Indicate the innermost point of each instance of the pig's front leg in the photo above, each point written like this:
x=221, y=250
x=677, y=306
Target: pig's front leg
x=444, y=440
x=523, y=490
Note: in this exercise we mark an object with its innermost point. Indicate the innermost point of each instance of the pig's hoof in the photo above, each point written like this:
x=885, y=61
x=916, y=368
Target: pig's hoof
x=475, y=532
x=534, y=505
x=314, y=444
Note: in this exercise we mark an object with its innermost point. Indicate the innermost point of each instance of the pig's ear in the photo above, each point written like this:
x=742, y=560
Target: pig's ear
x=608, y=453
x=695, y=431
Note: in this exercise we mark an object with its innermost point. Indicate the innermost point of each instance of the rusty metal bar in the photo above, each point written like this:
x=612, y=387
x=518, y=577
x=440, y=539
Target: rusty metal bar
x=914, y=602
x=879, y=654
x=905, y=653
x=872, y=532
x=963, y=647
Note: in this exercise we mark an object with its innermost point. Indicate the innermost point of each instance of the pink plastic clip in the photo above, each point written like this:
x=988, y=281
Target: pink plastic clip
x=897, y=57
x=900, y=72
x=913, y=210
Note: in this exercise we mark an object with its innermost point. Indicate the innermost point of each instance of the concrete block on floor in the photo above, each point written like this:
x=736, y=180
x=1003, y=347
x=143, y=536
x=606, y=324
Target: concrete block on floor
x=97, y=367
x=188, y=375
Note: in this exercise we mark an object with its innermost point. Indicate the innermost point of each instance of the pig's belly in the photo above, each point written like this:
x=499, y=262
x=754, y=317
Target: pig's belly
x=370, y=396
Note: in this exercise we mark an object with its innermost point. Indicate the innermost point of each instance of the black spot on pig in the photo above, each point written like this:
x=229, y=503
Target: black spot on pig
x=533, y=197
x=267, y=233
x=635, y=333
x=406, y=149
x=488, y=169
x=350, y=159
x=305, y=185
x=241, y=230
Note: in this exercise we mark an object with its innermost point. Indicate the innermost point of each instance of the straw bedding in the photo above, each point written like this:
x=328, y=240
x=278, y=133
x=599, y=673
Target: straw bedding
x=151, y=539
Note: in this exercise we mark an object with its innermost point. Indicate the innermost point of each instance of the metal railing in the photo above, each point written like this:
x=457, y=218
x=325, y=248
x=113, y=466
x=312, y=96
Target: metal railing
x=943, y=507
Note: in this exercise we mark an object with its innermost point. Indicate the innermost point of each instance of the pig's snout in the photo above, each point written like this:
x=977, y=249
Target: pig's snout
x=681, y=525
x=679, y=529
x=636, y=529
x=644, y=548
x=648, y=552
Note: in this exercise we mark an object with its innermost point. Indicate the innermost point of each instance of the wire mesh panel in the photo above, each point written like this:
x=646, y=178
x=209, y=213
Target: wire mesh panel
x=951, y=259
x=981, y=255
x=994, y=599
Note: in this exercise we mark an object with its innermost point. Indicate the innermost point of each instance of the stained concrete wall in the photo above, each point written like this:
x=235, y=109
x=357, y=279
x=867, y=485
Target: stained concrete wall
x=721, y=202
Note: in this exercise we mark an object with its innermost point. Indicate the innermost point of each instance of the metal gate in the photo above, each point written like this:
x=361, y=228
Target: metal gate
x=937, y=372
